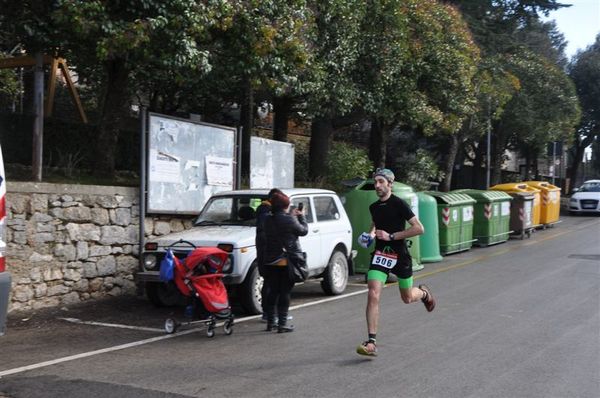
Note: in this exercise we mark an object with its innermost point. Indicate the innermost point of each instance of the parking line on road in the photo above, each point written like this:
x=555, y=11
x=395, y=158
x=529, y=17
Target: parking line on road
x=111, y=325
x=92, y=353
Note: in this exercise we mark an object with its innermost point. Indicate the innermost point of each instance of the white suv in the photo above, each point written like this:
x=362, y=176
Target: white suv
x=228, y=221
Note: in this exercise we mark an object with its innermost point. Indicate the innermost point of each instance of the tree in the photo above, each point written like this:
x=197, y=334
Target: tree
x=544, y=109
x=329, y=89
x=416, y=68
x=507, y=30
x=112, y=40
x=585, y=72
x=494, y=86
x=261, y=50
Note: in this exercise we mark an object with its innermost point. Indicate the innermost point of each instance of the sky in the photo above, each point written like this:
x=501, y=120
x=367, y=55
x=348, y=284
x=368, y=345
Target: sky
x=580, y=23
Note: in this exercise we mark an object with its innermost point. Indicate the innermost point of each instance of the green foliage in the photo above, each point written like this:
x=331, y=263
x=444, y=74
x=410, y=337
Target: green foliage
x=328, y=87
x=345, y=162
x=545, y=108
x=585, y=72
x=416, y=65
x=417, y=170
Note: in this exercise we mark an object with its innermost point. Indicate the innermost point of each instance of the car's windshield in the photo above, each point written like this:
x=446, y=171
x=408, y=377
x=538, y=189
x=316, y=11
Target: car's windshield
x=230, y=210
x=590, y=187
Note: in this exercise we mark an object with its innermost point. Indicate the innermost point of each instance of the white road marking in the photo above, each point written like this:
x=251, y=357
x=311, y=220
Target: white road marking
x=111, y=325
x=91, y=353
x=150, y=340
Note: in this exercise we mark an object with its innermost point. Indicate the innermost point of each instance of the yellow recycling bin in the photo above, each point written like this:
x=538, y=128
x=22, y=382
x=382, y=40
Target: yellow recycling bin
x=515, y=187
x=550, y=201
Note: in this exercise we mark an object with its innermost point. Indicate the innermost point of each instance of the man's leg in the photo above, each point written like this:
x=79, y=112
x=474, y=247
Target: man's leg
x=375, y=287
x=375, y=282
x=410, y=294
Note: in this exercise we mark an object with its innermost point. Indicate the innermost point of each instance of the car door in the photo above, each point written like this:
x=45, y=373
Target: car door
x=311, y=243
x=328, y=223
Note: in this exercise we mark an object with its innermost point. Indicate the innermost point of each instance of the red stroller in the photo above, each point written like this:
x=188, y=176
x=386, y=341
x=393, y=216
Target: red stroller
x=199, y=276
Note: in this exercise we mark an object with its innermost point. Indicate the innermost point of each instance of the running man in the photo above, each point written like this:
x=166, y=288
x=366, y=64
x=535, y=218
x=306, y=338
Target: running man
x=390, y=215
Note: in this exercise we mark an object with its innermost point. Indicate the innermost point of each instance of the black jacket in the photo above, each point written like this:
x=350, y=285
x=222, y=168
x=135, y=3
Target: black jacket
x=282, y=232
x=262, y=212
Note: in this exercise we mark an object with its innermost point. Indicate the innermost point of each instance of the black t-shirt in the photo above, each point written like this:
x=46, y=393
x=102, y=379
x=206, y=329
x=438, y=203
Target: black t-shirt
x=391, y=216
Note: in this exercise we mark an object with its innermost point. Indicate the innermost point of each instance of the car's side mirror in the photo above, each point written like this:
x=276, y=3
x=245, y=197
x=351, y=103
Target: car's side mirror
x=575, y=190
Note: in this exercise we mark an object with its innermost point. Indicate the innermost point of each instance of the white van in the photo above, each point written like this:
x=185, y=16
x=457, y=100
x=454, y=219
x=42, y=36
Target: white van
x=4, y=276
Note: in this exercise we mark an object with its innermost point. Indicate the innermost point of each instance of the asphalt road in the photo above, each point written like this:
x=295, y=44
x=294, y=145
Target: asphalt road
x=519, y=319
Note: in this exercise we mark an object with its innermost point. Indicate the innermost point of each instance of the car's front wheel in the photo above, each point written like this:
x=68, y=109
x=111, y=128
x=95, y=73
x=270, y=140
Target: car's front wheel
x=335, y=277
x=250, y=291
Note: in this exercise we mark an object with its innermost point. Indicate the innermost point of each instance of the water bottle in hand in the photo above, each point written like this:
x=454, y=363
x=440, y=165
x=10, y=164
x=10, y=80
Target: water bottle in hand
x=365, y=240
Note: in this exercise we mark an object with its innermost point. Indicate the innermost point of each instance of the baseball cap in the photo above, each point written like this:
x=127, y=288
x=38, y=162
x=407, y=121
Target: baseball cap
x=385, y=173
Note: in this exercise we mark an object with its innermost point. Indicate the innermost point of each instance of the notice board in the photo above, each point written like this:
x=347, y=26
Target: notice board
x=187, y=162
x=271, y=164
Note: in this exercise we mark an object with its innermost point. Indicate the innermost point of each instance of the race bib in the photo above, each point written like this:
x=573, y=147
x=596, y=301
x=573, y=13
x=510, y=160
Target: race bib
x=386, y=260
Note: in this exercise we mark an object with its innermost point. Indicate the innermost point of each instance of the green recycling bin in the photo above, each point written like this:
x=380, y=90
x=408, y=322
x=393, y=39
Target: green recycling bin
x=357, y=201
x=491, y=216
x=455, y=221
x=430, y=240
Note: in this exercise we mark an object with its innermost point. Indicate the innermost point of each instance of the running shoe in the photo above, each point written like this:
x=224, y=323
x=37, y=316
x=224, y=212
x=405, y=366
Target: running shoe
x=362, y=349
x=430, y=300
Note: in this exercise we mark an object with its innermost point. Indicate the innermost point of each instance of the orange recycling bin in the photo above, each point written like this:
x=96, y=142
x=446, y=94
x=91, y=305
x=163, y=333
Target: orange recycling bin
x=523, y=187
x=550, y=201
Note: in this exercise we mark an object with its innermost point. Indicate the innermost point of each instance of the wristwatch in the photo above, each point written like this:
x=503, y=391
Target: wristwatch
x=391, y=236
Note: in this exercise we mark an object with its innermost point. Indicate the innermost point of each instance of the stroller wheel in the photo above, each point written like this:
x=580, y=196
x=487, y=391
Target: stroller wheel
x=171, y=325
x=228, y=327
x=210, y=331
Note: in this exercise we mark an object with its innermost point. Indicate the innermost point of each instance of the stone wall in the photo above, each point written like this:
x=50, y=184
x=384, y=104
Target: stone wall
x=70, y=243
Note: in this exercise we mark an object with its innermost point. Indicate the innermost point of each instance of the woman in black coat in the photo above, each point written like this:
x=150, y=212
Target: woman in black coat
x=282, y=231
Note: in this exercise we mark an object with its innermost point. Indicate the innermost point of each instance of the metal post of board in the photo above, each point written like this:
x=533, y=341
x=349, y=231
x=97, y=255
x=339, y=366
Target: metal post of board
x=143, y=135
x=38, y=124
x=238, y=161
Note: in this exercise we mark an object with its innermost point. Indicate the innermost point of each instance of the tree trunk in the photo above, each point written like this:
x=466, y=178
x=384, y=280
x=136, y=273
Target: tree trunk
x=321, y=132
x=478, y=163
x=499, y=141
x=527, y=164
x=113, y=110
x=281, y=107
x=449, y=165
x=580, y=146
x=247, y=123
x=496, y=163
x=377, y=143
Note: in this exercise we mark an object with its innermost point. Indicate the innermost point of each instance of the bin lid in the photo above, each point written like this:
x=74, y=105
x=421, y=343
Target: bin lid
x=510, y=187
x=424, y=197
x=522, y=195
x=543, y=185
x=399, y=187
x=451, y=198
x=482, y=196
x=369, y=185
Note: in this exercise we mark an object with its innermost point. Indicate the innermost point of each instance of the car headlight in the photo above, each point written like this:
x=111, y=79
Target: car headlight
x=150, y=261
x=573, y=200
x=227, y=265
